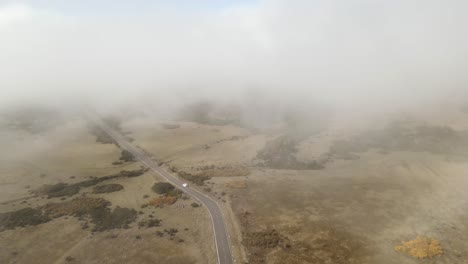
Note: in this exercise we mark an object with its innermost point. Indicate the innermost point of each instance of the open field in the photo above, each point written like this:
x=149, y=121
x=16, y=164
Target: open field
x=379, y=185
x=69, y=154
x=353, y=192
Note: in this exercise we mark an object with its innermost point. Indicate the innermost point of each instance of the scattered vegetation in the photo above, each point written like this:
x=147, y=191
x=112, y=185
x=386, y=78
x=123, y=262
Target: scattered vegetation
x=21, y=218
x=162, y=200
x=195, y=205
x=58, y=190
x=150, y=223
x=64, y=189
x=170, y=126
x=113, y=122
x=105, y=219
x=97, y=209
x=421, y=247
x=101, y=135
x=132, y=173
x=228, y=171
x=264, y=239
x=80, y=206
x=324, y=245
x=240, y=184
x=205, y=112
x=33, y=119
x=127, y=156
x=108, y=188
x=403, y=136
x=163, y=187
x=196, y=179
x=171, y=231
x=280, y=153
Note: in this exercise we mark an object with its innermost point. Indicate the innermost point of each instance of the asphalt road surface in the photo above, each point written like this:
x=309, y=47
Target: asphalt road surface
x=223, y=245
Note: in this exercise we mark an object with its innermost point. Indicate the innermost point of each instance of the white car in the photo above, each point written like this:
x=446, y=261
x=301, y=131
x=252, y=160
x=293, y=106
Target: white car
x=185, y=185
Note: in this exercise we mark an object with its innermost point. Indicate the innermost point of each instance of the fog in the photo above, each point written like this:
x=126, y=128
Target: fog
x=341, y=53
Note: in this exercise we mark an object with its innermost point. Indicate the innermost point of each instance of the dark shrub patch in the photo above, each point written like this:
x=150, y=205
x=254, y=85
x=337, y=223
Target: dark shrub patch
x=127, y=156
x=107, y=188
x=101, y=136
x=79, y=206
x=104, y=219
x=23, y=217
x=67, y=191
x=133, y=173
x=64, y=189
x=195, y=205
x=58, y=190
x=162, y=187
x=197, y=179
x=150, y=223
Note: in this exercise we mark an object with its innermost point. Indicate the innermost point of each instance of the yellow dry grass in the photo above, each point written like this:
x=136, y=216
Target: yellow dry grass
x=236, y=184
x=156, y=202
x=421, y=247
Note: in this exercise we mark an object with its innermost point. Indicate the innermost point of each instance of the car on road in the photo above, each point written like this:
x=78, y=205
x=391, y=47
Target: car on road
x=185, y=185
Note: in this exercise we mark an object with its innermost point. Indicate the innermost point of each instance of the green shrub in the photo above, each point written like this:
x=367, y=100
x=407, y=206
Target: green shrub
x=162, y=187
x=108, y=188
x=23, y=217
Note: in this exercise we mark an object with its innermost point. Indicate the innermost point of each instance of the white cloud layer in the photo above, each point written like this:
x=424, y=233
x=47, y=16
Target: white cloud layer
x=339, y=51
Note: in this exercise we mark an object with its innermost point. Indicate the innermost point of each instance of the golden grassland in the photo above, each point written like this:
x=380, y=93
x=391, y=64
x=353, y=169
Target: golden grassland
x=421, y=247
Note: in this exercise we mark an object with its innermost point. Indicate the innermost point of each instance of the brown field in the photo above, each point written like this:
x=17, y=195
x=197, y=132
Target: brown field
x=375, y=190
x=384, y=184
x=69, y=153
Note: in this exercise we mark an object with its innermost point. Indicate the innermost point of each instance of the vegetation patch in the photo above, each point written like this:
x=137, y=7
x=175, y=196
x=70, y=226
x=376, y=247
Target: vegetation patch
x=150, y=223
x=58, y=190
x=404, y=136
x=105, y=219
x=108, y=188
x=127, y=156
x=170, y=126
x=196, y=179
x=64, y=189
x=162, y=200
x=205, y=112
x=132, y=173
x=241, y=184
x=80, y=206
x=324, y=245
x=421, y=247
x=97, y=209
x=34, y=119
x=269, y=238
x=280, y=153
x=21, y=218
x=224, y=172
x=101, y=136
x=162, y=187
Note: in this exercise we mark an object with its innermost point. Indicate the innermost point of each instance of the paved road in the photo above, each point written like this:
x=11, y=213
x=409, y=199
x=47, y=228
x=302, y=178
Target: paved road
x=223, y=245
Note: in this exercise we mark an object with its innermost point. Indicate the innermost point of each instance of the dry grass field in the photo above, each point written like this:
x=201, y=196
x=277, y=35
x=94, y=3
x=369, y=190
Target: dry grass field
x=69, y=154
x=360, y=190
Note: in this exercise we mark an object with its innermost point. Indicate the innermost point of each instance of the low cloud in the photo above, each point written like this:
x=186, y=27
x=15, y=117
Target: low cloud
x=357, y=52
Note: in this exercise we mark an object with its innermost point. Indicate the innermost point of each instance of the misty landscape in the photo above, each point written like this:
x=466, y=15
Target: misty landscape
x=250, y=131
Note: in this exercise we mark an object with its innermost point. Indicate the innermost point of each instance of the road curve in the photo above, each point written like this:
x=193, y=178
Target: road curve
x=222, y=242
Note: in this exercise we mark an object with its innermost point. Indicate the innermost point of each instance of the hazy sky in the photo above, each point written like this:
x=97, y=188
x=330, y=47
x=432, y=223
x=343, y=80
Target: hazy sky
x=338, y=51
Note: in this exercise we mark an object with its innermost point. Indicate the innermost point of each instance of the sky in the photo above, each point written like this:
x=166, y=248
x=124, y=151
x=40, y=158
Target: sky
x=337, y=51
